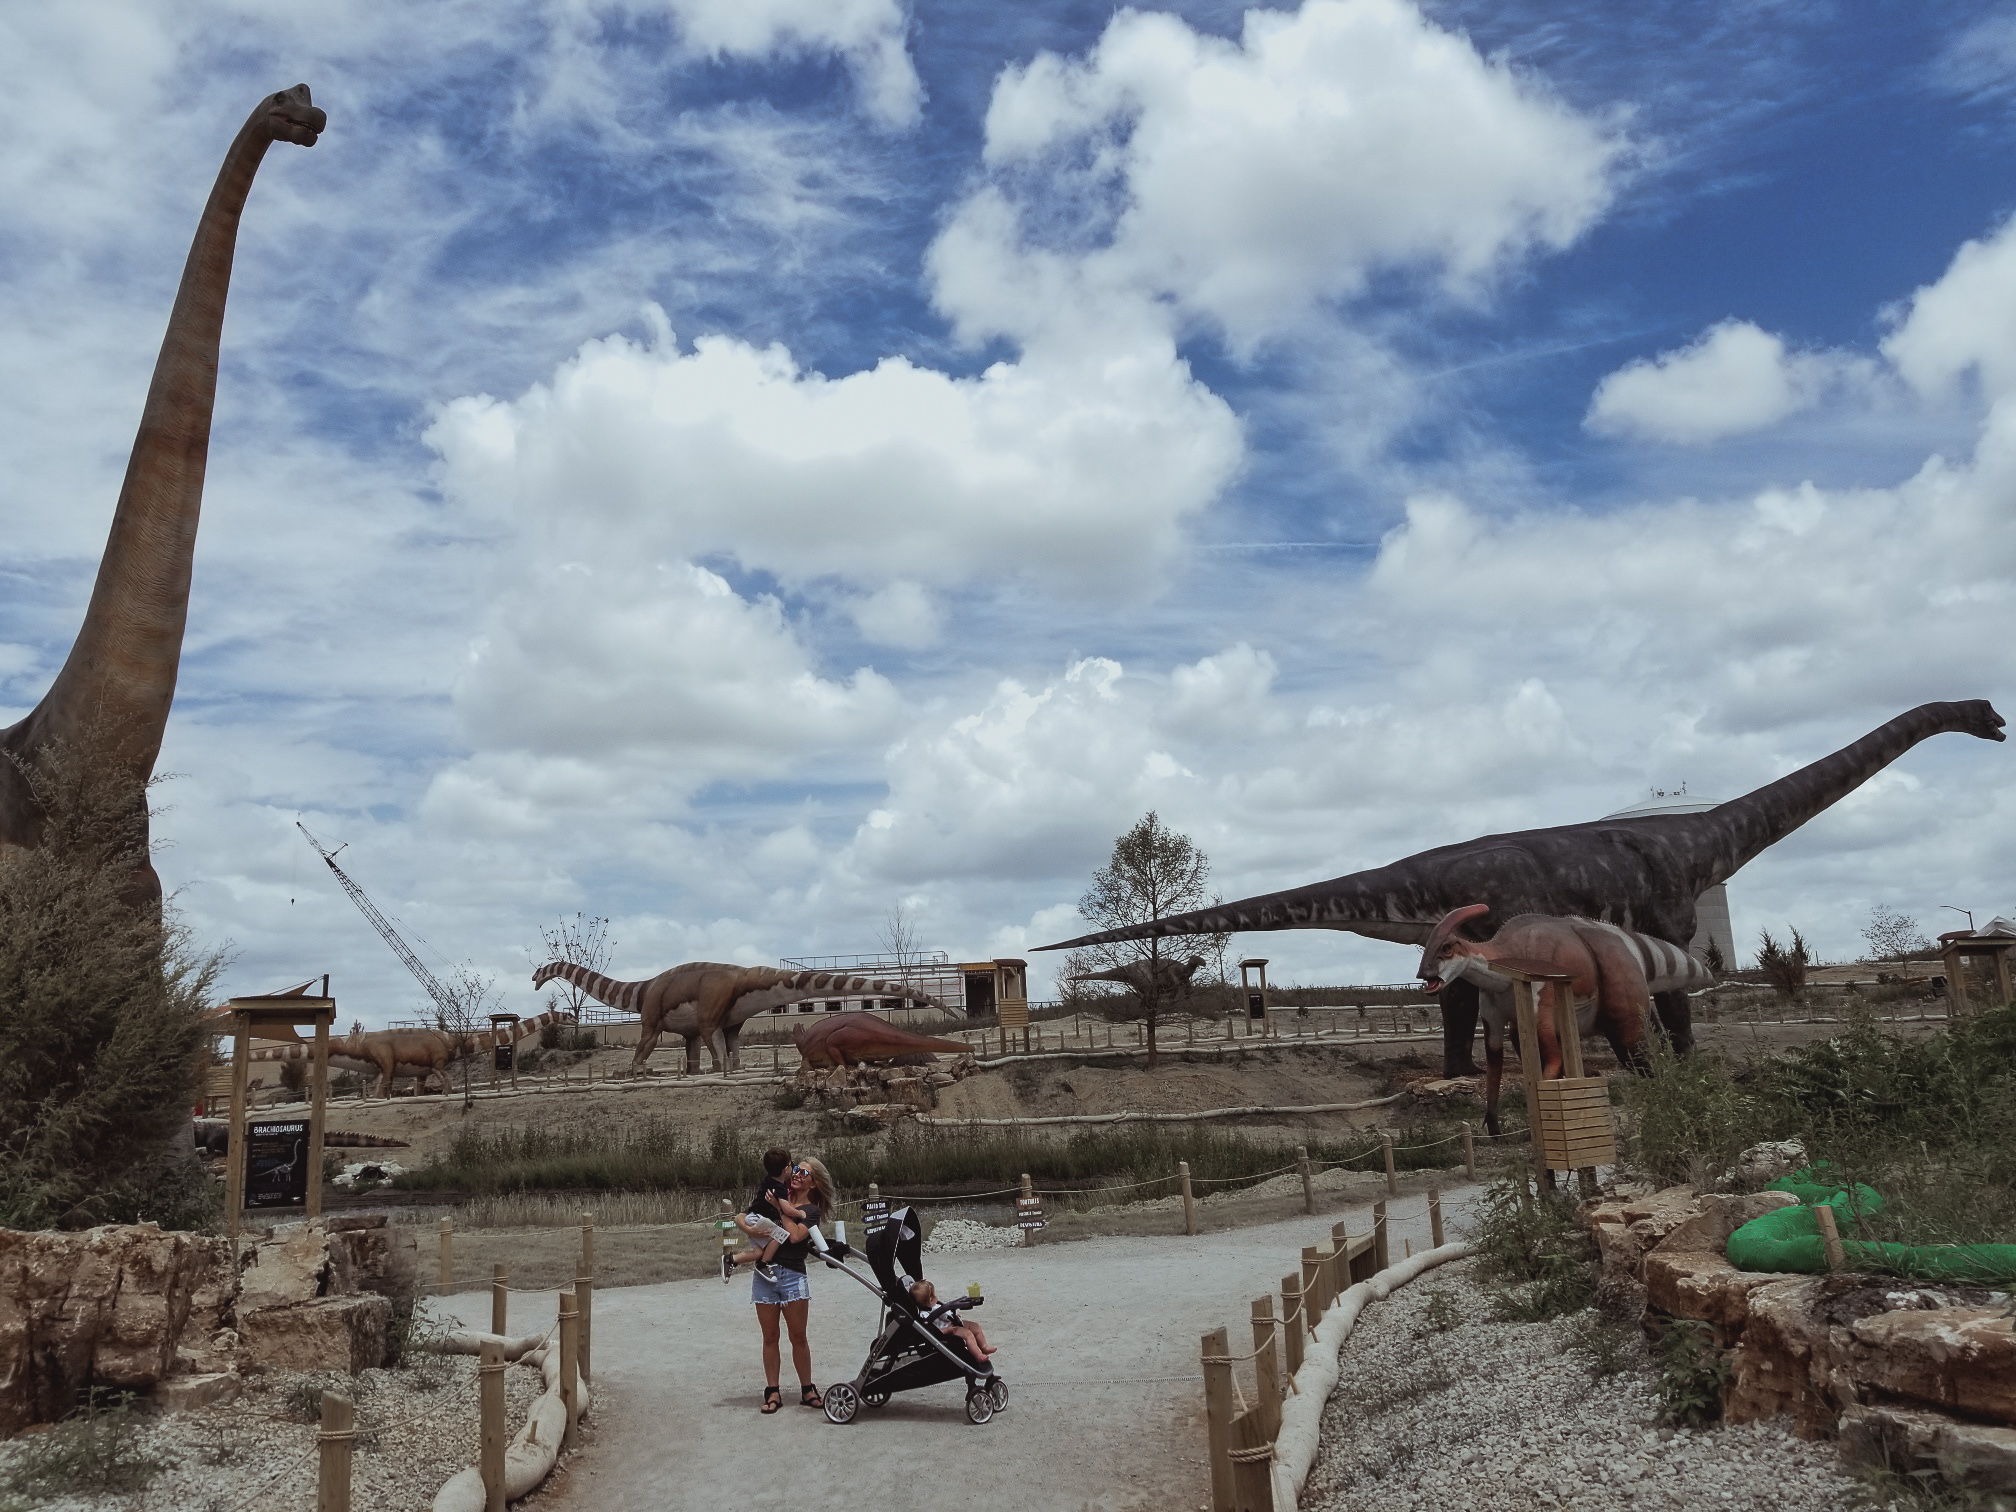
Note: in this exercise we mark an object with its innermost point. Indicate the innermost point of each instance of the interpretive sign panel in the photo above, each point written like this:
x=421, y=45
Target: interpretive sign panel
x=875, y=1214
x=1029, y=1212
x=276, y=1164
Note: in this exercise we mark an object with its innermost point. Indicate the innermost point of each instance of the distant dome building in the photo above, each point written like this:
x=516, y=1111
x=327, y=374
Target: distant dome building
x=1711, y=909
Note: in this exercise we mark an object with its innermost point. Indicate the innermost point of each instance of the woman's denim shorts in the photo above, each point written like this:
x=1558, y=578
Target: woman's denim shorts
x=790, y=1286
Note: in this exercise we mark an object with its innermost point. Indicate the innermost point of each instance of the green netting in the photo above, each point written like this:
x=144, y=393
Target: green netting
x=1789, y=1239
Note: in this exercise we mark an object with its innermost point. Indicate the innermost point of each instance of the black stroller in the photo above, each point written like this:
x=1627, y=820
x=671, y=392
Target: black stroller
x=909, y=1351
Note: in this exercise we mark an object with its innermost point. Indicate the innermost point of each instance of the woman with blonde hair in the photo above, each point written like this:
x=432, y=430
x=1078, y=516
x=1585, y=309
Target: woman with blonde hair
x=783, y=1304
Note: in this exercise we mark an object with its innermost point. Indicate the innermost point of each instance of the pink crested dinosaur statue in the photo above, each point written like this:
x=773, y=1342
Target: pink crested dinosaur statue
x=1613, y=973
x=709, y=1002
x=854, y=1039
x=425, y=1053
x=110, y=701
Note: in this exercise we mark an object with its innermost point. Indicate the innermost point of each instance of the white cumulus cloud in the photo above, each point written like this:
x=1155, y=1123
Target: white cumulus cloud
x=1733, y=379
x=1246, y=179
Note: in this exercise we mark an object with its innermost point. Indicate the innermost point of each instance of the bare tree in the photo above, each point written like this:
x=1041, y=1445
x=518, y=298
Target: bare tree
x=473, y=995
x=899, y=940
x=1154, y=871
x=1892, y=936
x=584, y=940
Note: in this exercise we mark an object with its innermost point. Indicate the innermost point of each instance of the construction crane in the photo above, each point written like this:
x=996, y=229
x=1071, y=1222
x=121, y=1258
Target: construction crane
x=451, y=1011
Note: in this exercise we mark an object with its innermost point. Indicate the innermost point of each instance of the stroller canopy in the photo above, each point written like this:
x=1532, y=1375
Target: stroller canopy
x=896, y=1255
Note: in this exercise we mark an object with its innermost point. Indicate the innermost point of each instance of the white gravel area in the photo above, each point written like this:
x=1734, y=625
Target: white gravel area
x=950, y=1235
x=1507, y=1417
x=416, y=1428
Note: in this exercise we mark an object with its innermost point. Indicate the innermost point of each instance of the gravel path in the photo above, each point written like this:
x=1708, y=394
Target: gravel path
x=1507, y=1417
x=416, y=1427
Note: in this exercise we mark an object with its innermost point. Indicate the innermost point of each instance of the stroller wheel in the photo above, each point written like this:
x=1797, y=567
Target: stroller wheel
x=842, y=1402
x=997, y=1393
x=875, y=1398
x=979, y=1407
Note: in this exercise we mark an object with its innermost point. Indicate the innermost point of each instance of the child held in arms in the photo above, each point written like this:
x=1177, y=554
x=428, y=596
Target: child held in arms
x=760, y=1221
x=925, y=1295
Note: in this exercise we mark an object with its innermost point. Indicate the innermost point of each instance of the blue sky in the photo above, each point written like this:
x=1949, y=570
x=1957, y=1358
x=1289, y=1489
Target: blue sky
x=737, y=467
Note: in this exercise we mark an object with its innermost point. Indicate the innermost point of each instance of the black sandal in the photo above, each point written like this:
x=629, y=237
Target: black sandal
x=773, y=1400
x=808, y=1396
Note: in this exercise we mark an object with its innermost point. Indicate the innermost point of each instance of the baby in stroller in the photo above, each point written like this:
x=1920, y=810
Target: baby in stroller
x=919, y=1341
x=969, y=1333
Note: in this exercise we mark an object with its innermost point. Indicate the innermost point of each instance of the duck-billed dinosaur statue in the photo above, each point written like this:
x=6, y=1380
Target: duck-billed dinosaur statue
x=119, y=680
x=1612, y=976
x=1643, y=872
x=855, y=1039
x=411, y=1052
x=709, y=1002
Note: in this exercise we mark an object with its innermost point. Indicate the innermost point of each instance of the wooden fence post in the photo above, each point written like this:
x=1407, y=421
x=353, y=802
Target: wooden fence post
x=1294, y=1323
x=338, y=1433
x=570, y=1340
x=1469, y=1152
x=1380, y=1251
x=584, y=1295
x=1028, y=1191
x=500, y=1299
x=1435, y=1215
x=1189, y=1207
x=1314, y=1305
x=447, y=1253
x=1252, y=1459
x=1392, y=1187
x=1218, y=1416
x=1308, y=1189
x=490, y=1375
x=1830, y=1236
x=1266, y=1366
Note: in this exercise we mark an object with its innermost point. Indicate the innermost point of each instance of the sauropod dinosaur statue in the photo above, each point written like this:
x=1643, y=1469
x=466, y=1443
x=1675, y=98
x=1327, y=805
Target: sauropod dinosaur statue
x=119, y=679
x=708, y=1001
x=854, y=1039
x=1612, y=973
x=425, y=1053
x=1165, y=977
x=1643, y=872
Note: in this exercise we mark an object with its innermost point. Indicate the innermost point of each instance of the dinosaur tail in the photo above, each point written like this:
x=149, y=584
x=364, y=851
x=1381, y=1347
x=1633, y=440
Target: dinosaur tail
x=812, y=983
x=346, y=1141
x=625, y=996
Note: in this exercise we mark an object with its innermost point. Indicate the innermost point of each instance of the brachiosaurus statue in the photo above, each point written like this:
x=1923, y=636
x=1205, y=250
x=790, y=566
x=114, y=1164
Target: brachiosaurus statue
x=119, y=679
x=709, y=1002
x=1164, y=978
x=1642, y=872
x=411, y=1052
x=1613, y=974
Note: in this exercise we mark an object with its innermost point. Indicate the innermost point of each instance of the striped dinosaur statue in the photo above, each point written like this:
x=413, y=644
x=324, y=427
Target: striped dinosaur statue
x=709, y=1002
x=1613, y=975
x=423, y=1053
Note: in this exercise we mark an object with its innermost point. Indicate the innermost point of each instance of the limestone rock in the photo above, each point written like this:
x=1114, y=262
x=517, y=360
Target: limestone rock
x=1913, y=1438
x=186, y=1393
x=292, y=1266
x=324, y=1333
x=1718, y=1216
x=368, y=1254
x=105, y=1305
x=1702, y=1285
x=1954, y=1357
x=1625, y=1228
x=1786, y=1363
x=1769, y=1161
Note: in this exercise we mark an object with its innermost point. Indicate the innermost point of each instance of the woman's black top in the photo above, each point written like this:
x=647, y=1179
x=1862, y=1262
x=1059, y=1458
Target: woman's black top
x=791, y=1254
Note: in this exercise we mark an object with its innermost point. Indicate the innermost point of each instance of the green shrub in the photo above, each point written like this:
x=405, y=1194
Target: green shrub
x=101, y=1004
x=1534, y=1252
x=1692, y=1119
x=1691, y=1374
x=93, y=1453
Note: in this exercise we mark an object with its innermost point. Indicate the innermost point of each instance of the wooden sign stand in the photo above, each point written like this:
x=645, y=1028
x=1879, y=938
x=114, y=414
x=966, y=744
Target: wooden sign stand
x=246, y=1014
x=1570, y=1115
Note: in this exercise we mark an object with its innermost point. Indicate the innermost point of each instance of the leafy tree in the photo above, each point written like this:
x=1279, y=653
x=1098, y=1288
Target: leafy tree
x=1154, y=871
x=102, y=998
x=1892, y=936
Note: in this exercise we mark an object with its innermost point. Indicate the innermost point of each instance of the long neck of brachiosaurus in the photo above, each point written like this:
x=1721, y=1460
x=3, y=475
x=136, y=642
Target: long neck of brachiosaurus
x=1734, y=832
x=628, y=996
x=123, y=666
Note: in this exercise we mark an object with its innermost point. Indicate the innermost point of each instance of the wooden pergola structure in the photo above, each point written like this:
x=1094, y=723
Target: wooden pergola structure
x=248, y=1014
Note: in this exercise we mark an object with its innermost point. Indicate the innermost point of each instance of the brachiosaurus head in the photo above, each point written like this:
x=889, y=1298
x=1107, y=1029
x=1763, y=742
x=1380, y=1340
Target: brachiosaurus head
x=289, y=116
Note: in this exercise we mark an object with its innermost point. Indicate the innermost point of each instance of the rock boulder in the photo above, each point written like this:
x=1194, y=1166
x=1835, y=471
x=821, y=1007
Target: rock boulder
x=323, y=1333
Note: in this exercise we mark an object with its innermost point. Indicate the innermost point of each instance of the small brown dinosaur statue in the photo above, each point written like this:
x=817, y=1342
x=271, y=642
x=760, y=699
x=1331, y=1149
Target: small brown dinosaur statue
x=119, y=680
x=855, y=1039
x=709, y=1002
x=1613, y=973
x=411, y=1052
